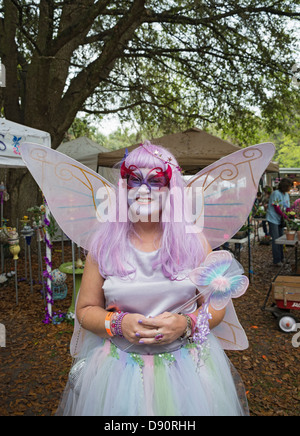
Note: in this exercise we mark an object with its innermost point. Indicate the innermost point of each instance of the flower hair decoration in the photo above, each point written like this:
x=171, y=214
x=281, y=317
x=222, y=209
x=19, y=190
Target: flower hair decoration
x=159, y=155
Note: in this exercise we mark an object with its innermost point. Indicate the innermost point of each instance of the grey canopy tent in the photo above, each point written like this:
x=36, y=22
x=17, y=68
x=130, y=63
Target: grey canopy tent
x=193, y=148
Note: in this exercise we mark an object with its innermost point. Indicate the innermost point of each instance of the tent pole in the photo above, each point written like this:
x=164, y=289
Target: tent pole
x=16, y=282
x=2, y=249
x=30, y=269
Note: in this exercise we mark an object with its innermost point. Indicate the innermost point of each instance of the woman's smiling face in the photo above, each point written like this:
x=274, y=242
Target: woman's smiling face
x=148, y=192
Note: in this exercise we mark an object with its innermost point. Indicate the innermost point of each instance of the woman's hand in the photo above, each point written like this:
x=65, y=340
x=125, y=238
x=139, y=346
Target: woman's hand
x=131, y=325
x=162, y=329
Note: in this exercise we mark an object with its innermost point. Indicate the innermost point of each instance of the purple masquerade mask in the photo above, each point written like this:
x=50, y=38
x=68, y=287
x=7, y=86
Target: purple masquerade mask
x=156, y=178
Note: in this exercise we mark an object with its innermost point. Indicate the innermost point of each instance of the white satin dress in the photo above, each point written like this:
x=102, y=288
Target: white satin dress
x=119, y=379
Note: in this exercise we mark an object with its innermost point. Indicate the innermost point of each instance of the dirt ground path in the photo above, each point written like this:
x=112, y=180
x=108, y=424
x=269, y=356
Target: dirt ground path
x=36, y=359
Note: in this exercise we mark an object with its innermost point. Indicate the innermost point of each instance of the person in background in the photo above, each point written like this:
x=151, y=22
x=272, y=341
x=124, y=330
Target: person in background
x=267, y=191
x=279, y=203
x=257, y=203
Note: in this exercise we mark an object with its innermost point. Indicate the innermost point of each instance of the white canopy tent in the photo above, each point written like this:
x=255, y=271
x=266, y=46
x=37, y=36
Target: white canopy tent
x=11, y=136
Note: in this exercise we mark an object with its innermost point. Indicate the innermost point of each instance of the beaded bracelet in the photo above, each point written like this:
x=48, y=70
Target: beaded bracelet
x=188, y=330
x=113, y=322
x=115, y=327
x=119, y=324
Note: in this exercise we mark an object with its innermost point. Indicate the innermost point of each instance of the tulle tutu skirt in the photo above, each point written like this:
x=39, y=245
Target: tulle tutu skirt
x=111, y=382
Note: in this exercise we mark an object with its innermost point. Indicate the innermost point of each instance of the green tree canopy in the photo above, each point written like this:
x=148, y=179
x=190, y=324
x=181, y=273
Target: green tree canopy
x=161, y=62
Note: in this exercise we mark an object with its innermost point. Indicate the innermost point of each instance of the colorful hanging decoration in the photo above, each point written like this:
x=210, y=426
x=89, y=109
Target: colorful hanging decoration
x=47, y=275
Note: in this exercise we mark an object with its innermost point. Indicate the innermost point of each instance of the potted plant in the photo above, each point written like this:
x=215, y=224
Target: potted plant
x=58, y=318
x=260, y=212
x=243, y=232
x=291, y=229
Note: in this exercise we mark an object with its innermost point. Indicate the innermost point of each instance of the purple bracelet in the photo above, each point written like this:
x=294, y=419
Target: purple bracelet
x=118, y=326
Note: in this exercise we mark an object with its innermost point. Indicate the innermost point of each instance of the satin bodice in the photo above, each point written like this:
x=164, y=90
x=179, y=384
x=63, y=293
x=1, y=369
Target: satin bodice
x=150, y=293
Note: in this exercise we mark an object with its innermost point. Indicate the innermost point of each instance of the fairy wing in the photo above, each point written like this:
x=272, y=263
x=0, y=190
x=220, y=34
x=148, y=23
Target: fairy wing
x=78, y=197
x=228, y=188
x=230, y=333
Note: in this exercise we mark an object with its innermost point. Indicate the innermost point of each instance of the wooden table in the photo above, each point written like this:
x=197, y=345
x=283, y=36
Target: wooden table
x=237, y=245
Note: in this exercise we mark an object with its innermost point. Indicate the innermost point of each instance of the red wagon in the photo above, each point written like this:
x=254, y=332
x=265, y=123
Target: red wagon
x=286, y=293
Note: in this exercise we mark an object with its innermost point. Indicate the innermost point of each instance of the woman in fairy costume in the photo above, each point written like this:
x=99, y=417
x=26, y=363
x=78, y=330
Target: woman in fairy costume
x=135, y=354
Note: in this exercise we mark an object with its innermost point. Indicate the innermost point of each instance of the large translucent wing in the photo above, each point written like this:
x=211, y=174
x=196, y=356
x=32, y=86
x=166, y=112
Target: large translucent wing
x=230, y=333
x=229, y=188
x=71, y=191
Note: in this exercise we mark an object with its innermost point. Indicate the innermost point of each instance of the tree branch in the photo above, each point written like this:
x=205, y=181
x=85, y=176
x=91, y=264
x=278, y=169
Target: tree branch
x=82, y=22
x=184, y=19
x=45, y=26
x=10, y=60
x=147, y=103
x=83, y=85
x=22, y=28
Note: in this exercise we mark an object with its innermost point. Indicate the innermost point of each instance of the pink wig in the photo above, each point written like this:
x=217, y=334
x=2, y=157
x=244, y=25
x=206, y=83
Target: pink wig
x=179, y=252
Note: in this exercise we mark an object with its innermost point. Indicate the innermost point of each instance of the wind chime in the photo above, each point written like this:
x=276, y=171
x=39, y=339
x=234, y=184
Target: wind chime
x=38, y=226
x=14, y=248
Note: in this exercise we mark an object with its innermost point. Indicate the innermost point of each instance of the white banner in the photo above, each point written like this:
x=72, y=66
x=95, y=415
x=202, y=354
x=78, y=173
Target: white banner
x=12, y=135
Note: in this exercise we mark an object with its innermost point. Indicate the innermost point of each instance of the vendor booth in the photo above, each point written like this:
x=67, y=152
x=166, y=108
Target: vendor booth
x=194, y=149
x=11, y=136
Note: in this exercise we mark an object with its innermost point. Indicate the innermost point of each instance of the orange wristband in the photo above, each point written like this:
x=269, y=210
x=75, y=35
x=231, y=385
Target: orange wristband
x=107, y=323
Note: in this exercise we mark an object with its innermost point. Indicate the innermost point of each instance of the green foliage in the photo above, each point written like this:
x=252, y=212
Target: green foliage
x=120, y=139
x=289, y=156
x=286, y=139
x=171, y=64
x=83, y=127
